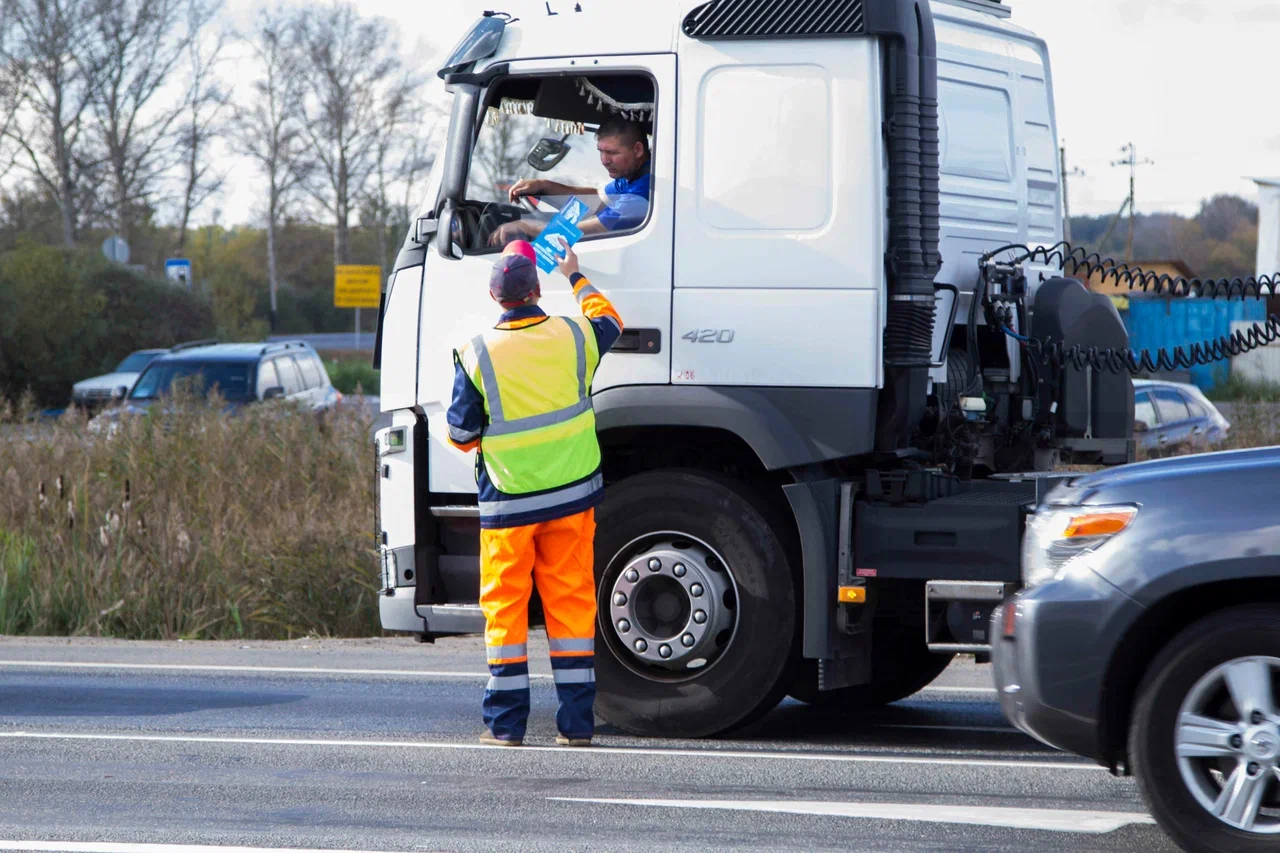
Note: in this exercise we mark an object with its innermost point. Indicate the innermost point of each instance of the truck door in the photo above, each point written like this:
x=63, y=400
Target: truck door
x=631, y=265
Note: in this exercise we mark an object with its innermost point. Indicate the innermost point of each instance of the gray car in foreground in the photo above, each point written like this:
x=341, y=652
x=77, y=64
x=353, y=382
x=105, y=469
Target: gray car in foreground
x=1147, y=636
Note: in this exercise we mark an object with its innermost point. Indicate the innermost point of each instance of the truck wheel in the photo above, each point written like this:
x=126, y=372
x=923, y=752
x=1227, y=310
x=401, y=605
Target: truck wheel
x=901, y=669
x=1205, y=735
x=697, y=610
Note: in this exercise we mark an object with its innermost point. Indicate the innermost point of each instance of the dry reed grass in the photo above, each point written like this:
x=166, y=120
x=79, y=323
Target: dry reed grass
x=188, y=523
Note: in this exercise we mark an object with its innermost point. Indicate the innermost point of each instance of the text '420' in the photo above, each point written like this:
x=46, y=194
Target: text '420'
x=709, y=336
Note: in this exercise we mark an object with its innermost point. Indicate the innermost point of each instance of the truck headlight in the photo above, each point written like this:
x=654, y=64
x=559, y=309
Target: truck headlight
x=1057, y=535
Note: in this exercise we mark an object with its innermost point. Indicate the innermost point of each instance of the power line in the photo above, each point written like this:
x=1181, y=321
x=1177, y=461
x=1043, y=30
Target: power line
x=1131, y=160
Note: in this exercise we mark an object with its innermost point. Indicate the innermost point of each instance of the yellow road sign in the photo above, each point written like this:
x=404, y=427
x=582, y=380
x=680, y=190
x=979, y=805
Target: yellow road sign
x=356, y=286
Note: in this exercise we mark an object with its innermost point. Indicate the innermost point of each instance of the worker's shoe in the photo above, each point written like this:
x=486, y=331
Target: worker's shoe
x=490, y=739
x=565, y=740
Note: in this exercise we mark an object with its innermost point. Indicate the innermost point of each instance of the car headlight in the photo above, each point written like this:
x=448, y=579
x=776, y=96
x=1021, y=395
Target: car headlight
x=1057, y=535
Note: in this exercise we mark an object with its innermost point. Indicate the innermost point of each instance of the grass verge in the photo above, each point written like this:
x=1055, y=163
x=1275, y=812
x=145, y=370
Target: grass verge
x=189, y=524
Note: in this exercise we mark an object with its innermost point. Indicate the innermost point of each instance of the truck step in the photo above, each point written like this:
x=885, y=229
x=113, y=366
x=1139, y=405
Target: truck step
x=456, y=511
x=968, y=605
x=452, y=618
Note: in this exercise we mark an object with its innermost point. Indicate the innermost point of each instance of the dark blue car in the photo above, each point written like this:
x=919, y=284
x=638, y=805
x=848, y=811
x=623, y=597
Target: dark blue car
x=242, y=373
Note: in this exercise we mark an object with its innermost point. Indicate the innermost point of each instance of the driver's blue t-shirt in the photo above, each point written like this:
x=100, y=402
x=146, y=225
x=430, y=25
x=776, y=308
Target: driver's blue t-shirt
x=627, y=202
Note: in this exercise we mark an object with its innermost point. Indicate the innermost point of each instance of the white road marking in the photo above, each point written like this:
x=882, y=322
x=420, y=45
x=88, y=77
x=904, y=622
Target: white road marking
x=116, y=847
x=313, y=670
x=836, y=757
x=1056, y=820
x=192, y=667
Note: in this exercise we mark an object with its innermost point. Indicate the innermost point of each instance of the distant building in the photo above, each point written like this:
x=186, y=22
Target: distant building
x=1268, y=226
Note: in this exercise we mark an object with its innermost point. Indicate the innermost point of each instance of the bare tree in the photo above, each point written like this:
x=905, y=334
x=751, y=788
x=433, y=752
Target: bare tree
x=140, y=43
x=12, y=89
x=202, y=124
x=49, y=50
x=401, y=156
x=268, y=129
x=352, y=74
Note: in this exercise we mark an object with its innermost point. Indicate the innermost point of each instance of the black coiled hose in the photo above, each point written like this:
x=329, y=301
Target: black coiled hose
x=1074, y=261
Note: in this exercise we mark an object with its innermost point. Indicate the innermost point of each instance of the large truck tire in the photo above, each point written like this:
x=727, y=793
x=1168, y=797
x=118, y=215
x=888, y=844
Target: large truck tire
x=697, y=606
x=899, y=668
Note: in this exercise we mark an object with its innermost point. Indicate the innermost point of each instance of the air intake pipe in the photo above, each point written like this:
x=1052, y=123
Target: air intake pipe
x=911, y=139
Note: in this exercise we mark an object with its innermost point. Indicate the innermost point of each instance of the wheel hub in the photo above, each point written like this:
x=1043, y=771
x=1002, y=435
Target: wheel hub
x=673, y=604
x=1227, y=743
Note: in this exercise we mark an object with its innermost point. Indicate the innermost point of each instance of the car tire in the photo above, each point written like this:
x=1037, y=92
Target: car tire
x=752, y=668
x=900, y=667
x=1190, y=657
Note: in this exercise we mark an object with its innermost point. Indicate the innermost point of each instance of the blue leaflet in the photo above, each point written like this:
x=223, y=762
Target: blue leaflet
x=560, y=235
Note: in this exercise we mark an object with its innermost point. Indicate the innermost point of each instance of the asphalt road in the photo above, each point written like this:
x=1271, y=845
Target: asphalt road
x=371, y=745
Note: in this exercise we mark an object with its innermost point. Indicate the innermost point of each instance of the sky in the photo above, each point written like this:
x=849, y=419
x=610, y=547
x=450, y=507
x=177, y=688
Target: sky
x=1191, y=83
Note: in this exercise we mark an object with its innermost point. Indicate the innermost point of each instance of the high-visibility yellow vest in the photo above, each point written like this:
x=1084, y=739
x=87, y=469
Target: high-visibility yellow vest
x=536, y=383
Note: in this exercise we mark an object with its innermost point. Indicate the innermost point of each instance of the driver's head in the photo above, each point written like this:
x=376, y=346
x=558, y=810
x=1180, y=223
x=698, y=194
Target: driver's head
x=623, y=147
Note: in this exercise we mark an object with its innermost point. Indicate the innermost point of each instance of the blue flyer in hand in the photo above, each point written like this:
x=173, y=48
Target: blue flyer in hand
x=561, y=234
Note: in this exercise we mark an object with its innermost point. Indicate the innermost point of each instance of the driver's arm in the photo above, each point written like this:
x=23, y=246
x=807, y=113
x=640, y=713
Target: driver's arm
x=537, y=186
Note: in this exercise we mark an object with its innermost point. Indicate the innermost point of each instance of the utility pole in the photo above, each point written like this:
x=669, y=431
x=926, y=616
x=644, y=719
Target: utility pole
x=1131, y=160
x=1066, y=206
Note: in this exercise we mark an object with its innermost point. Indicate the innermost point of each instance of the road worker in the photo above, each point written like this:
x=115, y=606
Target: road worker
x=521, y=395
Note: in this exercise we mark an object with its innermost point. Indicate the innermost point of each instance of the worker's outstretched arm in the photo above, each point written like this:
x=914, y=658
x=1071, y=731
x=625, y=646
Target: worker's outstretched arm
x=596, y=307
x=466, y=412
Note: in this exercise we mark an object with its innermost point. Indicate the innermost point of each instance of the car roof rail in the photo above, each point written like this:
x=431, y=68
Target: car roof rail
x=276, y=346
x=192, y=345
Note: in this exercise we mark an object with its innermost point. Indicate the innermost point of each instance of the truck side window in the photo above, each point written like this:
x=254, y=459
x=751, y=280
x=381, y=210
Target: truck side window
x=555, y=138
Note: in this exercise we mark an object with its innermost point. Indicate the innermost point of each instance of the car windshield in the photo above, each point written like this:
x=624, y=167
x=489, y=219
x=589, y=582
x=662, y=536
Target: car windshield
x=135, y=362
x=232, y=379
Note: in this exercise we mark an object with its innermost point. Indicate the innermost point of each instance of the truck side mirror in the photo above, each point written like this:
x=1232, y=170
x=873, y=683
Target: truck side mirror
x=424, y=229
x=119, y=392
x=445, y=235
x=1141, y=426
x=275, y=392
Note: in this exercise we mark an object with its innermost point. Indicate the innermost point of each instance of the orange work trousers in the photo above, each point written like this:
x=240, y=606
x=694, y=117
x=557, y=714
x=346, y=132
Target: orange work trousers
x=559, y=557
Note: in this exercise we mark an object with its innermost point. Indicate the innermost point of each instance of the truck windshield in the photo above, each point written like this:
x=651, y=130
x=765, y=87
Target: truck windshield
x=232, y=379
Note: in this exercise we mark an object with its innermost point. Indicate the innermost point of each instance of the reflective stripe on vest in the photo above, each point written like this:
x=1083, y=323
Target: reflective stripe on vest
x=541, y=433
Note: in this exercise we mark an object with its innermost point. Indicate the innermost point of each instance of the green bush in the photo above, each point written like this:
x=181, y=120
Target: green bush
x=67, y=315
x=1238, y=389
x=350, y=376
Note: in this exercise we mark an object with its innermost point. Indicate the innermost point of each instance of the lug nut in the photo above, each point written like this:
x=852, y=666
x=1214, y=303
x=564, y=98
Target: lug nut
x=687, y=641
x=632, y=576
x=1236, y=741
x=1257, y=717
x=696, y=590
x=641, y=646
x=1254, y=768
x=678, y=570
x=664, y=650
x=699, y=616
x=619, y=599
x=655, y=564
x=623, y=626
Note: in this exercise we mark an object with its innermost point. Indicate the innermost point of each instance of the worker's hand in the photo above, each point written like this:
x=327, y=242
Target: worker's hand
x=505, y=233
x=526, y=186
x=568, y=264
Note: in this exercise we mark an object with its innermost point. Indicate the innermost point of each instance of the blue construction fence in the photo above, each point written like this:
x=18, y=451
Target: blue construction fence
x=1156, y=323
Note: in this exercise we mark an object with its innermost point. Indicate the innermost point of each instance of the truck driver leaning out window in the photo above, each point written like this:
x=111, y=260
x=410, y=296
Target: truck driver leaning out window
x=522, y=396
x=624, y=153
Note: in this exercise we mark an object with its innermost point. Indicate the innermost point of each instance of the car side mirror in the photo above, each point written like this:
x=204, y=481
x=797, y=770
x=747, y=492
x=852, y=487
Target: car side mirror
x=548, y=153
x=1141, y=426
x=120, y=392
x=275, y=392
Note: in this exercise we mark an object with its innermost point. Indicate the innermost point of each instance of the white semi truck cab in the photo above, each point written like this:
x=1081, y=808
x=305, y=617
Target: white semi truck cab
x=820, y=433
